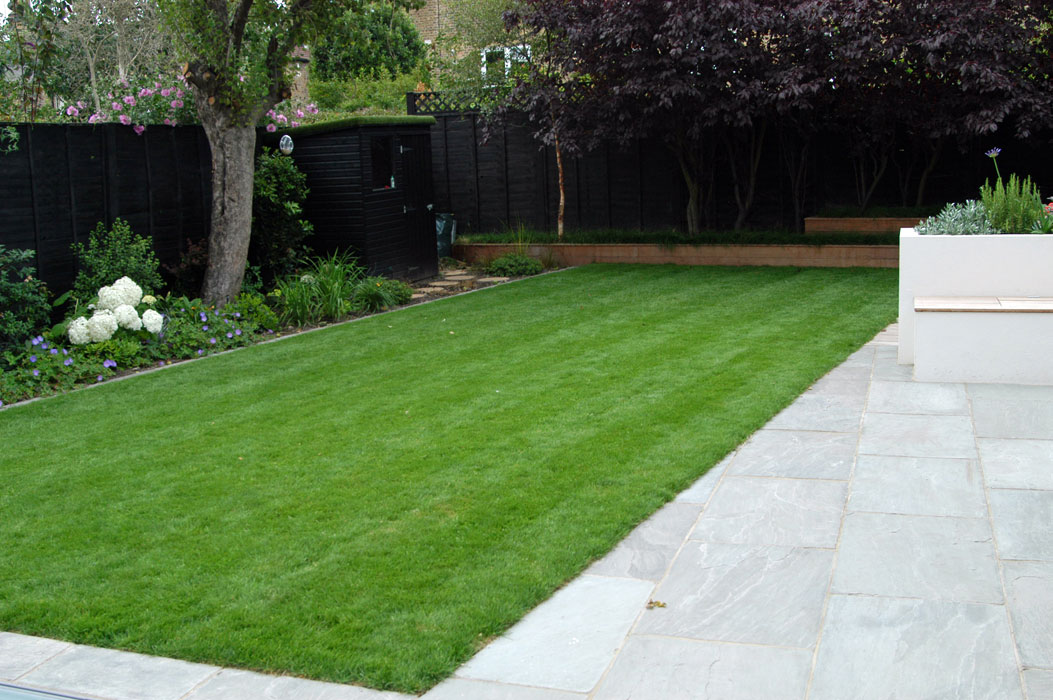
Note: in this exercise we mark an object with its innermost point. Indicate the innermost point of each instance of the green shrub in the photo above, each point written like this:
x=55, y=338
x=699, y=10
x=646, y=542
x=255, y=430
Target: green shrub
x=112, y=254
x=380, y=96
x=253, y=311
x=958, y=219
x=193, y=328
x=24, y=304
x=278, y=230
x=514, y=265
x=1012, y=207
x=378, y=293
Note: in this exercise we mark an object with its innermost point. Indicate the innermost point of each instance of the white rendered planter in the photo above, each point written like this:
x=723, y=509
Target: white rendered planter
x=971, y=266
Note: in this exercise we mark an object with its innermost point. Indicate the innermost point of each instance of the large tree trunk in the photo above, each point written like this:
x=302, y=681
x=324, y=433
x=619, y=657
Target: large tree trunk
x=233, y=150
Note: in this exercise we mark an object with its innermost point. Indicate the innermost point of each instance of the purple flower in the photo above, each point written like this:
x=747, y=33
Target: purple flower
x=138, y=129
x=204, y=328
x=36, y=341
x=98, y=378
x=109, y=363
x=32, y=358
x=43, y=346
x=68, y=361
x=212, y=341
x=160, y=363
x=237, y=314
x=203, y=316
x=993, y=153
x=54, y=351
x=200, y=352
x=65, y=351
x=237, y=332
x=36, y=373
x=230, y=335
x=1, y=404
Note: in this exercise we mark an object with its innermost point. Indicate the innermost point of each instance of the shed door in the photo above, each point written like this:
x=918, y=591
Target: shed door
x=420, y=220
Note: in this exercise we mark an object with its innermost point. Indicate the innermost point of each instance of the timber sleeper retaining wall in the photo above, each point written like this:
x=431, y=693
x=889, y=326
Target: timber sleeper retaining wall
x=653, y=254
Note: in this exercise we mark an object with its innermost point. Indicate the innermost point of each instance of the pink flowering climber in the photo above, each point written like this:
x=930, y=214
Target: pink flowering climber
x=272, y=128
x=125, y=119
x=138, y=129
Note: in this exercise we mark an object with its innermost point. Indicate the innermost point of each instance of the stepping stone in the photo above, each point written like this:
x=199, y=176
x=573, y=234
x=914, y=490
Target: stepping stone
x=432, y=290
x=444, y=283
x=459, y=278
x=455, y=272
x=418, y=295
x=493, y=279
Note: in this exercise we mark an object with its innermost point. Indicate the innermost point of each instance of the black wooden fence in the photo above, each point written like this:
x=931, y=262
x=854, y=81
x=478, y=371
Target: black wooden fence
x=64, y=179
x=508, y=180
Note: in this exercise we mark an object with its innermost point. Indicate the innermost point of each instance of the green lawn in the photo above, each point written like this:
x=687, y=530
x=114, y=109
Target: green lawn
x=372, y=502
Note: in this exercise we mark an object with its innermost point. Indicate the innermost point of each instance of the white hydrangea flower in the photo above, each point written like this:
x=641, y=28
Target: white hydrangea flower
x=149, y=299
x=153, y=321
x=78, y=331
x=102, y=325
x=131, y=293
x=127, y=317
x=109, y=298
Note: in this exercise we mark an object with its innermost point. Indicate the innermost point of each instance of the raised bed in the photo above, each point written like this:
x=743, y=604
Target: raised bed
x=858, y=224
x=653, y=254
x=968, y=267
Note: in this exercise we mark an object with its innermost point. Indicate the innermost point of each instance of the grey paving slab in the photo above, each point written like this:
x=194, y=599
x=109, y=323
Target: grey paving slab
x=885, y=648
x=679, y=669
x=1029, y=592
x=742, y=593
x=1010, y=411
x=1017, y=464
x=794, y=512
x=649, y=550
x=918, y=556
x=838, y=413
x=899, y=435
x=918, y=486
x=863, y=357
x=796, y=453
x=836, y=378
x=1023, y=523
x=1010, y=392
x=464, y=689
x=887, y=369
x=701, y=490
x=1039, y=684
x=568, y=641
x=232, y=684
x=118, y=675
x=19, y=653
x=931, y=399
x=836, y=384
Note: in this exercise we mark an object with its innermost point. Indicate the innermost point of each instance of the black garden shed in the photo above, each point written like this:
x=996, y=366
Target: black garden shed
x=370, y=188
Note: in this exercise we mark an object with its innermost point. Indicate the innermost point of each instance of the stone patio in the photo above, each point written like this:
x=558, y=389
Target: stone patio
x=879, y=538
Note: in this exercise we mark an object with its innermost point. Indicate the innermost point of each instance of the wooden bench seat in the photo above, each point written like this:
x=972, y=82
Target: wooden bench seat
x=1020, y=305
